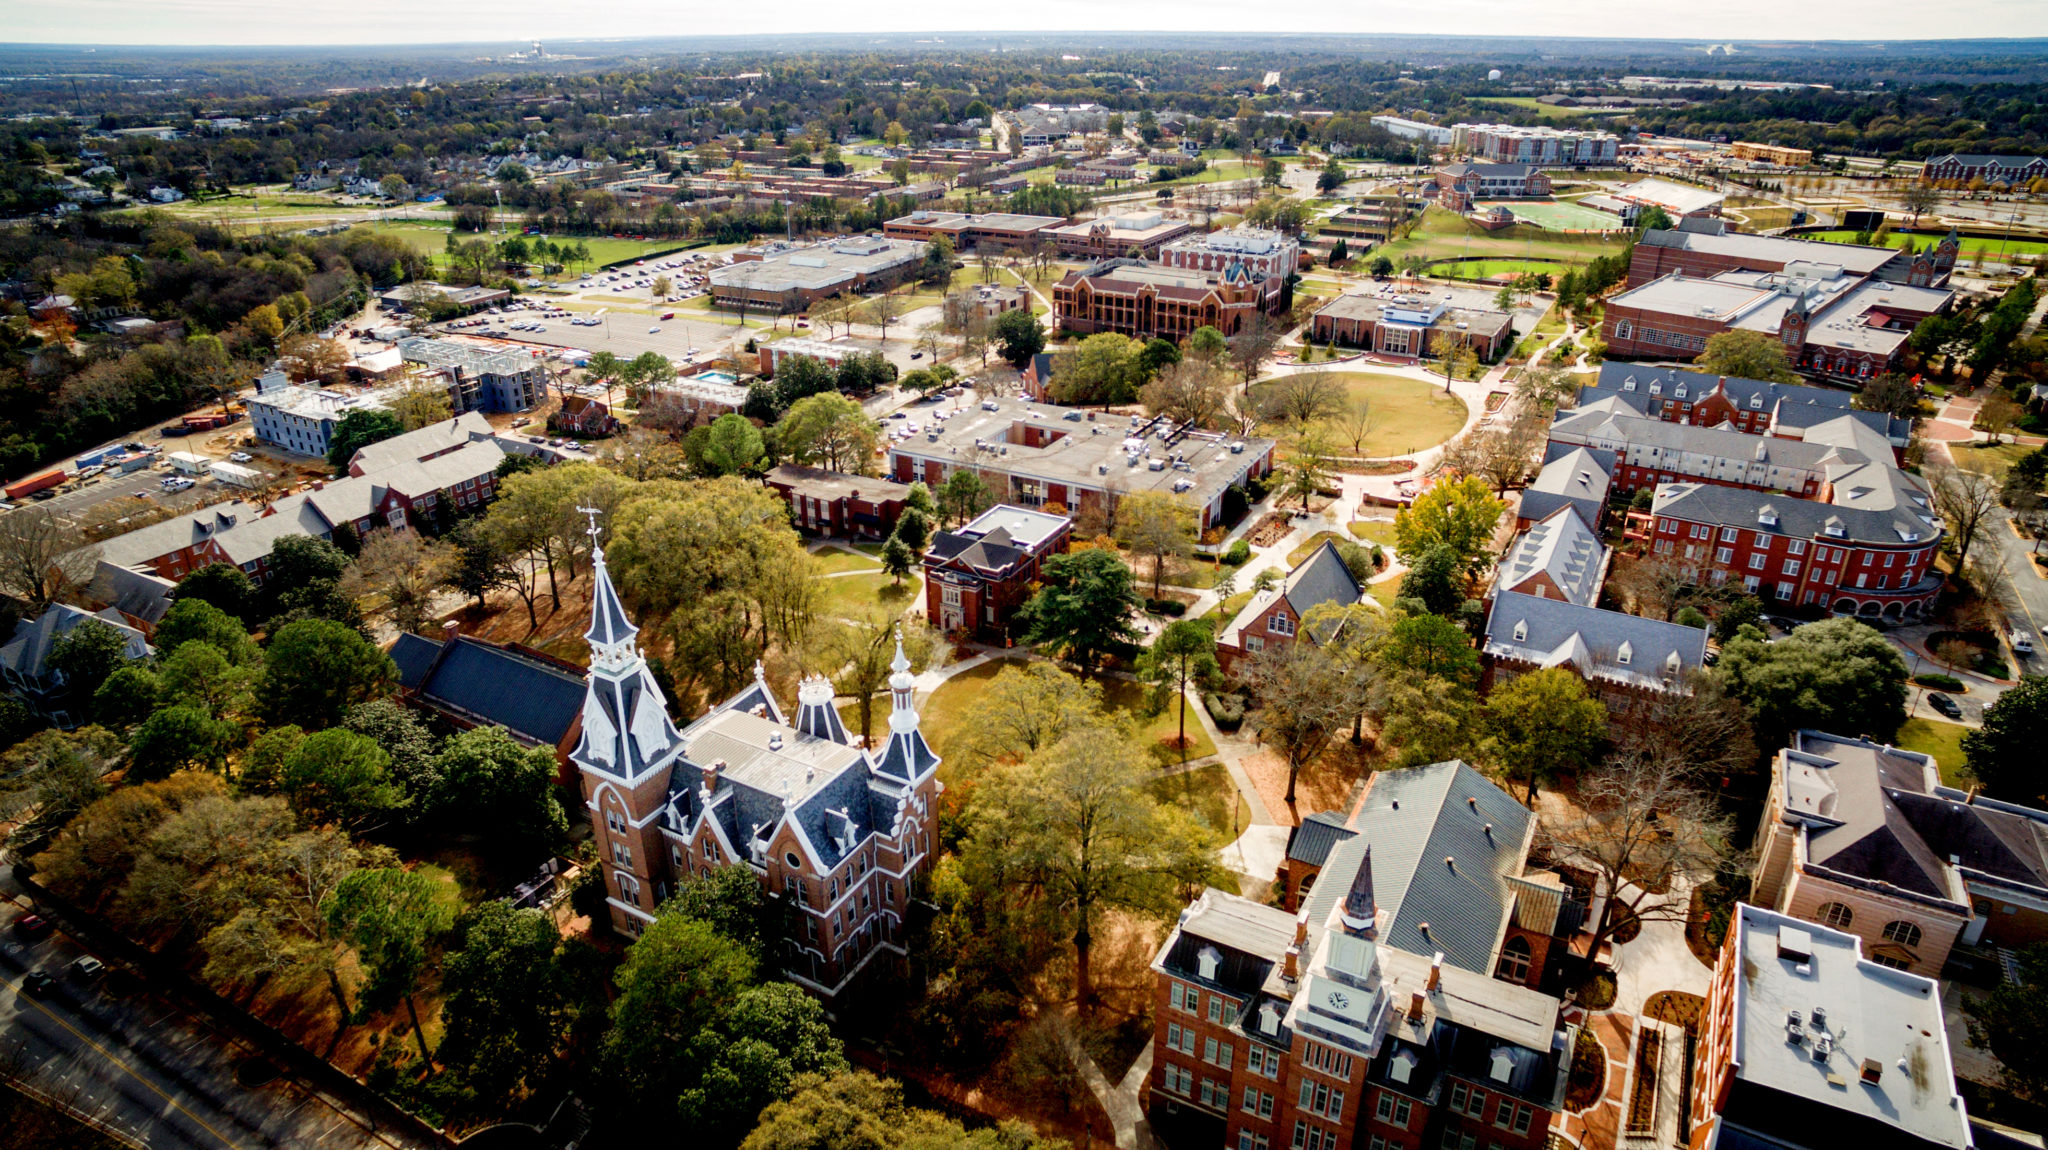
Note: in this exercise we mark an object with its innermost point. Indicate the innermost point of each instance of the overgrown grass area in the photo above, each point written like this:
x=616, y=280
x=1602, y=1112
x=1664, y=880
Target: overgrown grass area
x=1441, y=234
x=1942, y=740
x=1408, y=414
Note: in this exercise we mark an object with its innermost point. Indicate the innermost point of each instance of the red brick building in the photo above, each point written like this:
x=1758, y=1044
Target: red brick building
x=1869, y=555
x=836, y=505
x=1961, y=168
x=977, y=576
x=1143, y=300
x=1753, y=406
x=1370, y=1017
x=1274, y=617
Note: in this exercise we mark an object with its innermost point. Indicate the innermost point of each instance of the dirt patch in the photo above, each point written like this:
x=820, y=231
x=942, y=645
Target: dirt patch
x=1271, y=529
x=1376, y=467
x=1677, y=1008
x=1323, y=785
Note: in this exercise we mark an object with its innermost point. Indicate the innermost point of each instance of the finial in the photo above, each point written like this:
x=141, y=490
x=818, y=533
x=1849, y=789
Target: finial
x=901, y=662
x=760, y=672
x=596, y=551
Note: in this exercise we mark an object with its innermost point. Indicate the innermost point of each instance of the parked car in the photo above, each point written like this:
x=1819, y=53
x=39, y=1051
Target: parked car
x=33, y=926
x=1945, y=705
x=240, y=457
x=86, y=968
x=37, y=984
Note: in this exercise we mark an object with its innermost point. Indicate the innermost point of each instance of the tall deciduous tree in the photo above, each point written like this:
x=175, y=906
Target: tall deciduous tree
x=677, y=979
x=1748, y=354
x=2005, y=753
x=1181, y=658
x=1079, y=829
x=1539, y=726
x=829, y=431
x=1157, y=525
x=316, y=668
x=1306, y=695
x=503, y=1013
x=1460, y=514
x=487, y=781
x=40, y=556
x=1834, y=675
x=1018, y=336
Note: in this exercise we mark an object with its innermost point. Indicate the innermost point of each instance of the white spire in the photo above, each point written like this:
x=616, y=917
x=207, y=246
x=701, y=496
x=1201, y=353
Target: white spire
x=902, y=688
x=902, y=679
x=611, y=633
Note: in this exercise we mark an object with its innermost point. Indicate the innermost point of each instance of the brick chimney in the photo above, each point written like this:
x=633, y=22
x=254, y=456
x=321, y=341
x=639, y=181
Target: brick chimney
x=1417, y=1002
x=1290, y=968
x=1436, y=972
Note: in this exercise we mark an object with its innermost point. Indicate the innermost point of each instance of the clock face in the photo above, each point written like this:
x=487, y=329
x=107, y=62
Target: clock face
x=1339, y=999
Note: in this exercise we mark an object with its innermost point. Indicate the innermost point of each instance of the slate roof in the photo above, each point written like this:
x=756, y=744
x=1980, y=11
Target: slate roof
x=134, y=593
x=1553, y=633
x=1791, y=405
x=414, y=446
x=1879, y=814
x=1572, y=476
x=1795, y=518
x=30, y=647
x=1414, y=820
x=1311, y=842
x=1320, y=578
x=535, y=701
x=1561, y=546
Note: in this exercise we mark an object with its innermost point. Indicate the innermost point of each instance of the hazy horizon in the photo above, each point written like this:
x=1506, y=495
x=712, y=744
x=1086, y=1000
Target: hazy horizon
x=369, y=23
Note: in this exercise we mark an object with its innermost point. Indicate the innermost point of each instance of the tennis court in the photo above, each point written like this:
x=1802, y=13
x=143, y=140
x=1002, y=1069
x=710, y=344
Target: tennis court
x=1560, y=217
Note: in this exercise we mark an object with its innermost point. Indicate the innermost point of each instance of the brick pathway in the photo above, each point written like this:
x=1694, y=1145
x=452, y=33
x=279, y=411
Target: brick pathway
x=1597, y=1126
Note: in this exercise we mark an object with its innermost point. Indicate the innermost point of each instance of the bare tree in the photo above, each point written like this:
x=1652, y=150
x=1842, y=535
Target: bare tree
x=1646, y=831
x=1654, y=585
x=1997, y=415
x=1302, y=398
x=1193, y=391
x=1540, y=387
x=883, y=310
x=1307, y=695
x=1703, y=726
x=1966, y=501
x=396, y=577
x=1254, y=342
x=40, y=556
x=1357, y=421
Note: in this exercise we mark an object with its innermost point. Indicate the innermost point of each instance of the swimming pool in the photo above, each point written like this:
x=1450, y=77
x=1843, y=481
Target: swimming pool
x=716, y=377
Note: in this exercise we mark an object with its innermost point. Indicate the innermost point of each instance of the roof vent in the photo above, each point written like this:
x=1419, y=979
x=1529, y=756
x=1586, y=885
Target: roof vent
x=1796, y=945
x=1873, y=1071
x=1472, y=802
x=775, y=741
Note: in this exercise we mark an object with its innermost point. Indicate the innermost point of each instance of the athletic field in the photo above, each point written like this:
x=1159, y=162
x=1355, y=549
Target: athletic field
x=1561, y=217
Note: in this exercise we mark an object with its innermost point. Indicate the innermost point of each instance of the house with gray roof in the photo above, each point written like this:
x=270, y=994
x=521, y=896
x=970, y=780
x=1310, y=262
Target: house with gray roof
x=24, y=660
x=1627, y=661
x=1865, y=838
x=979, y=574
x=839, y=829
x=1273, y=617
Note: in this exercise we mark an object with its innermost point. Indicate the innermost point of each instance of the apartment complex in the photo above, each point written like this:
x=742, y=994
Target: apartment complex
x=447, y=468
x=1865, y=839
x=1806, y=1044
x=839, y=834
x=1372, y=1017
x=1143, y=300
x=1757, y=407
x=1551, y=147
x=1777, y=154
x=480, y=379
x=1033, y=454
x=1628, y=662
x=790, y=281
x=301, y=420
x=1959, y=167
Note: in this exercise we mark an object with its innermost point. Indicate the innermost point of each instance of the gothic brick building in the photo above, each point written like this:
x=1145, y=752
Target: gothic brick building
x=840, y=832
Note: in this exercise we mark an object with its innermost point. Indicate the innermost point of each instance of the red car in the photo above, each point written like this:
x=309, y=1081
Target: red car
x=33, y=926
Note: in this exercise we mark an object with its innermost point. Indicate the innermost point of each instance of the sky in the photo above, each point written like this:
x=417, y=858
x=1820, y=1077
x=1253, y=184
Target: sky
x=250, y=22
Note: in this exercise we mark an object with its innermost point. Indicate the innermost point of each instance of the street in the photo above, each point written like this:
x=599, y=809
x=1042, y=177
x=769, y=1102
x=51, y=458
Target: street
x=113, y=1054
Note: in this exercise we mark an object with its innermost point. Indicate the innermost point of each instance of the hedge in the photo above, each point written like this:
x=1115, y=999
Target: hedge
x=1227, y=710
x=1171, y=607
x=1939, y=682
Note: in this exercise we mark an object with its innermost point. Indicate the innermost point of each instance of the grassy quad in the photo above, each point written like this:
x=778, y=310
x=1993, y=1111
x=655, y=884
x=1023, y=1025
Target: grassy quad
x=1943, y=741
x=1491, y=269
x=1987, y=458
x=1410, y=415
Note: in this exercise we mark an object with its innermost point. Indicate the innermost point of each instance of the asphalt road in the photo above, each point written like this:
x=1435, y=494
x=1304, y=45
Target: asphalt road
x=138, y=1067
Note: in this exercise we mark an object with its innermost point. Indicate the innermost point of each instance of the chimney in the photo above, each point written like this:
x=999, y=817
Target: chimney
x=450, y=630
x=1436, y=972
x=1417, y=1003
x=1301, y=928
x=1290, y=968
x=775, y=741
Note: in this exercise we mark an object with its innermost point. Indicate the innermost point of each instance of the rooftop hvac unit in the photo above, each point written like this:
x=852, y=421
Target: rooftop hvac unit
x=1236, y=447
x=1155, y=465
x=1102, y=469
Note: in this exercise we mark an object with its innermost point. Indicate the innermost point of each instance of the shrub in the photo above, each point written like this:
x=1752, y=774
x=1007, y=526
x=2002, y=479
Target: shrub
x=1939, y=682
x=1171, y=607
x=1239, y=553
x=1992, y=665
x=1227, y=710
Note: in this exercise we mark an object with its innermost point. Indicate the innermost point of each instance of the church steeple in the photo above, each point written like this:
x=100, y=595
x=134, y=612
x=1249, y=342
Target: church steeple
x=1360, y=912
x=906, y=756
x=626, y=728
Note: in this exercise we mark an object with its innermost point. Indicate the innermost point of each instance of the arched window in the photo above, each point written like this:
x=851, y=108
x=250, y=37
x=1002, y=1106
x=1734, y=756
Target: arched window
x=1514, y=961
x=1837, y=915
x=1902, y=932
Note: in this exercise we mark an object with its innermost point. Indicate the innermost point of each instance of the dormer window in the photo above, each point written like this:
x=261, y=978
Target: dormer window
x=1834, y=528
x=1521, y=630
x=1672, y=666
x=1756, y=401
x=1627, y=652
x=1629, y=384
x=1401, y=1067
x=1205, y=963
x=1656, y=389
x=1269, y=1018
x=1502, y=1066
x=1767, y=515
x=1679, y=392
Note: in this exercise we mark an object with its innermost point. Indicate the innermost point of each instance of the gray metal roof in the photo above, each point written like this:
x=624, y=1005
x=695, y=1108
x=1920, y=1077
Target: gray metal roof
x=1311, y=841
x=1435, y=864
x=1776, y=513
x=1593, y=642
x=1562, y=546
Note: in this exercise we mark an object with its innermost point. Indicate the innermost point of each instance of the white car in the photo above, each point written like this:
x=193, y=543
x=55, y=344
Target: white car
x=240, y=457
x=177, y=484
x=655, y=330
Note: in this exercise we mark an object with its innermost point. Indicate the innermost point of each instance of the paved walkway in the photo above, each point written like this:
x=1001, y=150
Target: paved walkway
x=1120, y=1102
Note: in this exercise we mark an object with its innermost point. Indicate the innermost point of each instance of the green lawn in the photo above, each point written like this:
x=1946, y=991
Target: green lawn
x=1971, y=246
x=1378, y=531
x=1547, y=111
x=832, y=559
x=950, y=712
x=1441, y=234
x=1206, y=791
x=1220, y=615
x=1561, y=215
x=1308, y=548
x=1408, y=414
x=1384, y=592
x=1487, y=269
x=855, y=593
x=1944, y=741
x=1992, y=461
